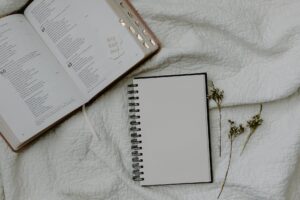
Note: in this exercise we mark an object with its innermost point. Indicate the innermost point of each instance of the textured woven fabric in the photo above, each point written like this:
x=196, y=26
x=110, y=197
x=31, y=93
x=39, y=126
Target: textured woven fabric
x=251, y=49
x=8, y=6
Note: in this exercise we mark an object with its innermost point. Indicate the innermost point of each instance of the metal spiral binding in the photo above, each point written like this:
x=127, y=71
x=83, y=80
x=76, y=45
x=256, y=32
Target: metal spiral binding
x=135, y=133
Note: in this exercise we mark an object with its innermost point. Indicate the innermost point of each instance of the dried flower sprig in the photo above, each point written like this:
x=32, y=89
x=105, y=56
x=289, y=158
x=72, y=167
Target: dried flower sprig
x=255, y=122
x=217, y=96
x=234, y=132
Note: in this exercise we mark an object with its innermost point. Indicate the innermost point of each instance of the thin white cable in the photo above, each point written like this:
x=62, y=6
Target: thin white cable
x=89, y=123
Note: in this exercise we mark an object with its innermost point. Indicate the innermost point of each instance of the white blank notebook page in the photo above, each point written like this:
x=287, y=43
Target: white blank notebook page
x=174, y=129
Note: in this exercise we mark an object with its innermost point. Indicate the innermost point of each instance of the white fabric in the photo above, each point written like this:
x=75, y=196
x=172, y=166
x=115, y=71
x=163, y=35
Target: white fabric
x=8, y=6
x=251, y=49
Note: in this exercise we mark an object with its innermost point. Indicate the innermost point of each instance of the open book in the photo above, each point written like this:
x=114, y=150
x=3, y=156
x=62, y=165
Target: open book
x=59, y=55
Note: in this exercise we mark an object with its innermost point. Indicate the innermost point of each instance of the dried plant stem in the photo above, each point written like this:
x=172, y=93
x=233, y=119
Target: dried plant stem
x=247, y=140
x=253, y=124
x=234, y=132
x=217, y=96
x=228, y=167
x=220, y=130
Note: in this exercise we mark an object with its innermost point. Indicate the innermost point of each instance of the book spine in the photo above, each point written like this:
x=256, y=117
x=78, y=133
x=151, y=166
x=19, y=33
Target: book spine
x=135, y=132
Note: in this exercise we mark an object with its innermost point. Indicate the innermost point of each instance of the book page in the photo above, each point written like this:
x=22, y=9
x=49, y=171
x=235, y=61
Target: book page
x=88, y=40
x=35, y=90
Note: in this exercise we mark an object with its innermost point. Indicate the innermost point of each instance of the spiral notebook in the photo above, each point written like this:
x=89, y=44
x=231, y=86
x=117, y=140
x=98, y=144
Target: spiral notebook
x=170, y=129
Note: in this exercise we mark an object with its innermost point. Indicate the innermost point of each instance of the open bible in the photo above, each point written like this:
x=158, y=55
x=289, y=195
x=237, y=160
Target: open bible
x=59, y=55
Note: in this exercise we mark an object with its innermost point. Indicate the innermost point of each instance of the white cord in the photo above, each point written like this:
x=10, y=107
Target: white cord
x=89, y=123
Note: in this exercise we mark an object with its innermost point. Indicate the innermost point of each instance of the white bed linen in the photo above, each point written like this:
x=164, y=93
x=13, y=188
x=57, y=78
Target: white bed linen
x=251, y=49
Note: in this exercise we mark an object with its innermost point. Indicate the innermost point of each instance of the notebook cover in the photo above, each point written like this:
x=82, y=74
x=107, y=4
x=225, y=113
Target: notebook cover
x=208, y=124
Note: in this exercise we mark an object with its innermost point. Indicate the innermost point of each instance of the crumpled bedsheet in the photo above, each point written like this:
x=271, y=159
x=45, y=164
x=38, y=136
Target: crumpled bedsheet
x=250, y=49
